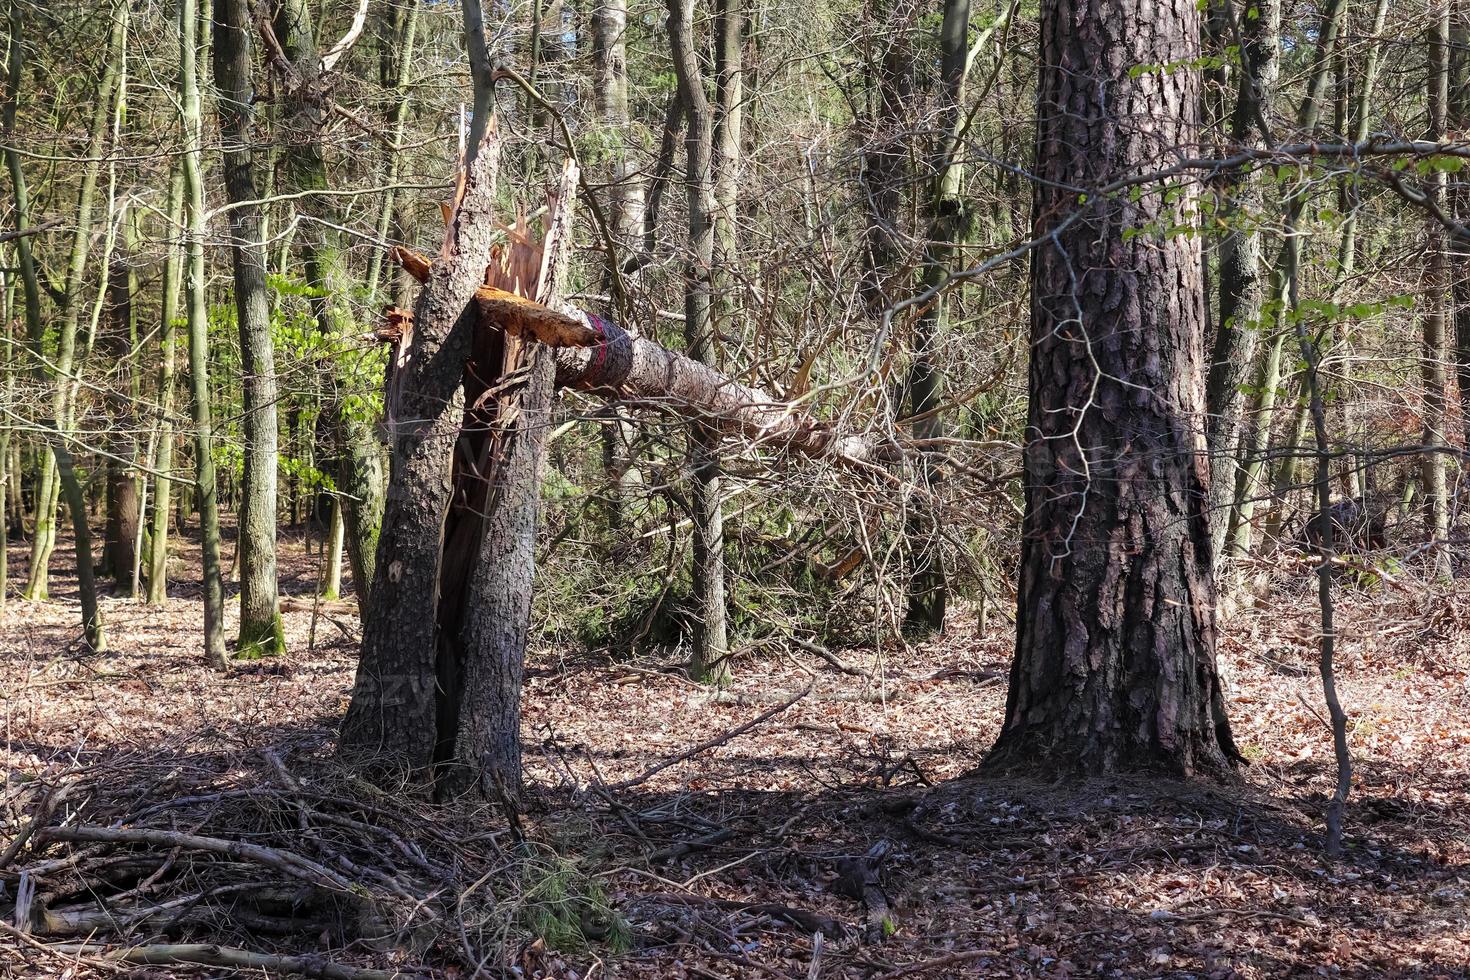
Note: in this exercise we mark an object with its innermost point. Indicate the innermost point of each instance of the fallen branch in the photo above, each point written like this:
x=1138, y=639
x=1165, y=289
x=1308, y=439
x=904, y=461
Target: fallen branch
x=948, y=960
x=597, y=355
x=44, y=226
x=208, y=954
x=801, y=918
x=711, y=743
x=283, y=861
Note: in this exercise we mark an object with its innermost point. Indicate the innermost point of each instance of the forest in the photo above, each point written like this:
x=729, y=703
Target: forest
x=731, y=488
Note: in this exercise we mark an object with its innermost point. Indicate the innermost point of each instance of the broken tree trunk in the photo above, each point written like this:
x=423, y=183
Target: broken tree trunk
x=598, y=356
x=392, y=716
x=468, y=398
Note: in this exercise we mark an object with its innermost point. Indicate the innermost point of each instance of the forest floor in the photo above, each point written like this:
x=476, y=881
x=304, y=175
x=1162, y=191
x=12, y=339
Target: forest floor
x=731, y=862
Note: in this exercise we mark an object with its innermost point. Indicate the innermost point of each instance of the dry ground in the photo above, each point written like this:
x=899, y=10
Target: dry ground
x=983, y=877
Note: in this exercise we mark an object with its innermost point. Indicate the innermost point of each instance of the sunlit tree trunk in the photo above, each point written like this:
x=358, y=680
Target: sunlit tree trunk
x=1436, y=313
x=198, y=333
x=1253, y=483
x=709, y=659
x=164, y=461
x=49, y=490
x=1242, y=288
x=626, y=206
x=261, y=633
x=355, y=447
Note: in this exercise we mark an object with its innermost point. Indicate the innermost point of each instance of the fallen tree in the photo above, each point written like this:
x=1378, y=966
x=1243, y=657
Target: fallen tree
x=598, y=356
x=470, y=380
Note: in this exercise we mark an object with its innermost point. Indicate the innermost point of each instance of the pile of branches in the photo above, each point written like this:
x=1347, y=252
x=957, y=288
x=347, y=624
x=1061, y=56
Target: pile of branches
x=258, y=859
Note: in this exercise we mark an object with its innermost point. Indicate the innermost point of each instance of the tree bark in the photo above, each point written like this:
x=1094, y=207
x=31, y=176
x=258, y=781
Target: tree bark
x=626, y=207
x=1115, y=649
x=261, y=632
x=1256, y=443
x=393, y=717
x=198, y=331
x=1459, y=111
x=1436, y=315
x=600, y=357
x=354, y=447
x=117, y=344
x=1242, y=289
x=403, y=51
x=708, y=660
x=49, y=489
x=162, y=485
x=928, y=591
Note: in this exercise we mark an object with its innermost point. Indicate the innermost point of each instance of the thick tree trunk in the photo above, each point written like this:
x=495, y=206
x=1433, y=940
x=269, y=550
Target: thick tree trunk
x=261, y=633
x=1115, y=650
x=393, y=717
x=709, y=659
x=496, y=620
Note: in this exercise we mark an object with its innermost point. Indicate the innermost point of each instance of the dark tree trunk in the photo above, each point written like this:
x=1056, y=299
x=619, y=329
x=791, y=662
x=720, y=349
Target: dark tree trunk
x=928, y=594
x=1459, y=111
x=885, y=173
x=1115, y=652
x=393, y=717
x=495, y=622
x=120, y=536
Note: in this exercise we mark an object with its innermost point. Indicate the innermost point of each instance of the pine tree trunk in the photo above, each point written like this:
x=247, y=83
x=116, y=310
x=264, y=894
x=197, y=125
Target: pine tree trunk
x=1115, y=650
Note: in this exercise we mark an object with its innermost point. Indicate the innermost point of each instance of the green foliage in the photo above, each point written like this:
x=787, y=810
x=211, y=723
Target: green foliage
x=568, y=909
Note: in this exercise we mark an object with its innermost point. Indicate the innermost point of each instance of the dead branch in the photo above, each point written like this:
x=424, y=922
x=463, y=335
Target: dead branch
x=208, y=954
x=284, y=861
x=803, y=919
x=711, y=743
x=597, y=355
